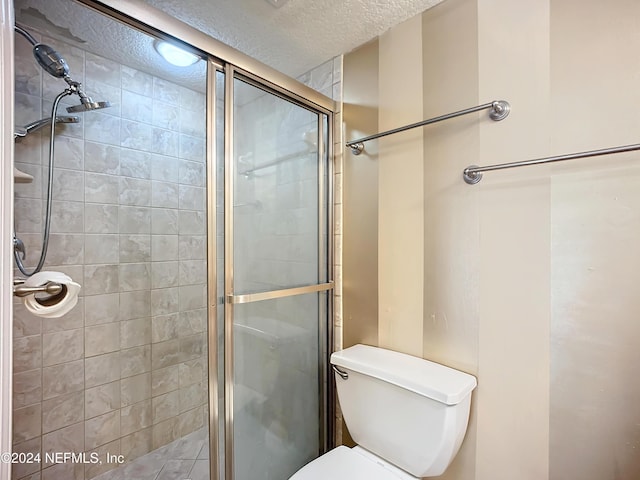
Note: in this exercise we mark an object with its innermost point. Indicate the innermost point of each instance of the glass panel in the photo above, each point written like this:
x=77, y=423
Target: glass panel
x=276, y=386
x=275, y=192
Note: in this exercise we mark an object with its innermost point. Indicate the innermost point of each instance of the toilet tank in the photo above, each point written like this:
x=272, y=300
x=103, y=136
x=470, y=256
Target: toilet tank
x=409, y=411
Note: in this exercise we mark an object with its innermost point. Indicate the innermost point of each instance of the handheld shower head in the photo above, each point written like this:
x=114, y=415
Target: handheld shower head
x=50, y=60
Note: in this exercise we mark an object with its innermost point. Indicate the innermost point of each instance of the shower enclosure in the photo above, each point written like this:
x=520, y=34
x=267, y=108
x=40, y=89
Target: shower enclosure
x=195, y=212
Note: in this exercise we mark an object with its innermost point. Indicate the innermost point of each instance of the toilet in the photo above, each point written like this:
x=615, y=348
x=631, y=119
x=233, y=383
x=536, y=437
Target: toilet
x=407, y=415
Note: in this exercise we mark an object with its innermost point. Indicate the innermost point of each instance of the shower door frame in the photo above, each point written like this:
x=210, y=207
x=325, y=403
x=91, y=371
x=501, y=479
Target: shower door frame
x=225, y=59
x=325, y=334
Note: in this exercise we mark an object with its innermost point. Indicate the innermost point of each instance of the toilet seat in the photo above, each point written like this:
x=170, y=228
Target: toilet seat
x=343, y=463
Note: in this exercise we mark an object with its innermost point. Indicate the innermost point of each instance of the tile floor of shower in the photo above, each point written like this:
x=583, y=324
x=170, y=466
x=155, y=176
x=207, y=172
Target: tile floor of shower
x=186, y=458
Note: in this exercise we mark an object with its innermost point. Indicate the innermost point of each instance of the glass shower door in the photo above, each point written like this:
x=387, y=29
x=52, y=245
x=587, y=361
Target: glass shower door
x=277, y=283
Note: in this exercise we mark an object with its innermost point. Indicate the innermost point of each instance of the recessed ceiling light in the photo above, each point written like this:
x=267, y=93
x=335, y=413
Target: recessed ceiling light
x=174, y=55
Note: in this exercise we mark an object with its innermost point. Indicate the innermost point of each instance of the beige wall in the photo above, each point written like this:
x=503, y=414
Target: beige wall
x=529, y=278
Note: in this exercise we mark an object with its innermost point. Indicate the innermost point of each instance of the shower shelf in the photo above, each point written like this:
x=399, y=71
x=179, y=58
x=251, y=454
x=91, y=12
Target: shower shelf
x=21, y=177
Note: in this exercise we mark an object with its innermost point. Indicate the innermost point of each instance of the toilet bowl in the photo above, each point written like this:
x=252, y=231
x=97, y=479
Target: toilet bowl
x=407, y=415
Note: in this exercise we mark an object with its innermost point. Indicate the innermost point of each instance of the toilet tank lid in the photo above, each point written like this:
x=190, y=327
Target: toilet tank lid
x=418, y=375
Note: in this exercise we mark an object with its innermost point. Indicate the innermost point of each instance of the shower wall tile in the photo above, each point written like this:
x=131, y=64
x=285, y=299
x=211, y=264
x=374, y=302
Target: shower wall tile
x=26, y=423
x=134, y=163
x=164, y=274
x=102, y=249
x=192, y=100
x=62, y=379
x=166, y=91
x=134, y=191
x=100, y=218
x=135, y=248
x=164, y=194
x=136, y=444
x=165, y=432
x=166, y=379
x=27, y=388
x=62, y=411
x=67, y=217
x=65, y=249
x=193, y=297
x=111, y=448
x=101, y=158
x=135, y=361
x=27, y=108
x=136, y=417
x=21, y=470
x=135, y=389
x=102, y=70
x=101, y=369
x=134, y=276
x=102, y=399
x=193, y=272
x=164, y=327
x=136, y=304
x=192, y=148
x=136, y=81
x=135, y=332
x=101, y=339
x=193, y=371
x=165, y=406
x=102, y=128
x=166, y=116
x=102, y=308
x=192, y=322
x=136, y=135
x=67, y=185
x=191, y=198
x=135, y=219
x=101, y=279
x=101, y=429
x=164, y=354
x=164, y=221
x=164, y=301
x=165, y=142
x=30, y=218
x=192, y=222
x=101, y=188
x=69, y=152
x=164, y=248
x=192, y=122
x=164, y=169
x=136, y=107
x=68, y=439
x=25, y=324
x=192, y=247
x=60, y=347
x=192, y=173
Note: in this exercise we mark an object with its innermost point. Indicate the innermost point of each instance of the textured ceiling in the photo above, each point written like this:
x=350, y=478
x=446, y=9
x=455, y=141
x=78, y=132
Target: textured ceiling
x=299, y=35
x=293, y=39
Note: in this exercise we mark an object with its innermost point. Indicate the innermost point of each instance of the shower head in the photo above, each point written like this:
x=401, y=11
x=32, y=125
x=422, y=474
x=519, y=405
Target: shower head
x=50, y=60
x=46, y=56
x=87, y=104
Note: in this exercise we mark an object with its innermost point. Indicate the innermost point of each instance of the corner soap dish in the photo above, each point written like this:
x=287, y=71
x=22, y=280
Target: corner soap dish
x=21, y=177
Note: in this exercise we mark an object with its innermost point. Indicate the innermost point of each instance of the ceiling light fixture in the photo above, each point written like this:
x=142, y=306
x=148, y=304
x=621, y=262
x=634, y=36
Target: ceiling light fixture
x=174, y=55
